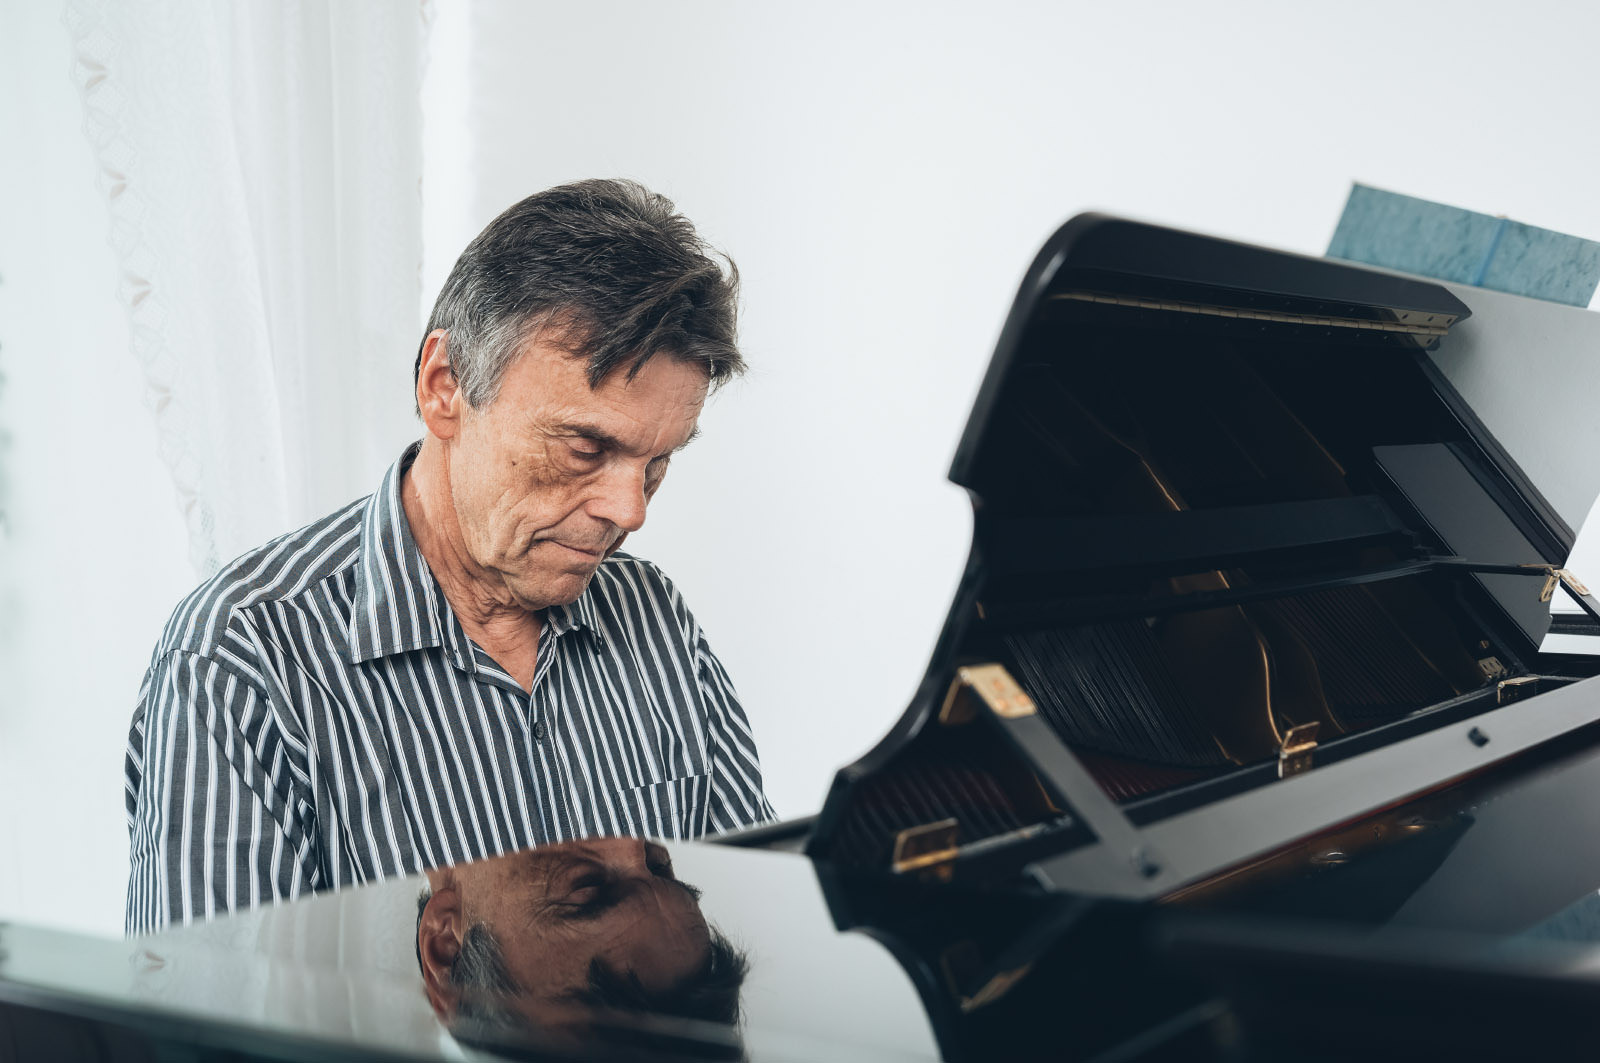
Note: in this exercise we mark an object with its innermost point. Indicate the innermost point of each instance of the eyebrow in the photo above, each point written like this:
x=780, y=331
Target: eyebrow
x=606, y=439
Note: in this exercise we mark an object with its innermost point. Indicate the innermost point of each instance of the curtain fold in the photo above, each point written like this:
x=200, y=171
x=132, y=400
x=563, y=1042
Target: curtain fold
x=262, y=167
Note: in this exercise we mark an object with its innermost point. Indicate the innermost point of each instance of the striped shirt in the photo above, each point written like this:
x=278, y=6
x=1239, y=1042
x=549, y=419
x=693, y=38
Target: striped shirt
x=314, y=716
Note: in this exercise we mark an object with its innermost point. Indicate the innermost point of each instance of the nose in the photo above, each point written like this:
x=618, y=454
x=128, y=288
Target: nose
x=621, y=498
x=633, y=858
x=624, y=854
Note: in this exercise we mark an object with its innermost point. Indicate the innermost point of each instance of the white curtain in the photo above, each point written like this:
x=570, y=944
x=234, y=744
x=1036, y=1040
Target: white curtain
x=262, y=165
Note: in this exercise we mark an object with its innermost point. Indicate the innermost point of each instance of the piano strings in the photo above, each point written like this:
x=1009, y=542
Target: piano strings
x=1155, y=701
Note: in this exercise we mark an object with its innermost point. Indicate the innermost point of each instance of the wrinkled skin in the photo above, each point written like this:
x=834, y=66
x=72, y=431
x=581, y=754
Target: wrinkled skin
x=515, y=505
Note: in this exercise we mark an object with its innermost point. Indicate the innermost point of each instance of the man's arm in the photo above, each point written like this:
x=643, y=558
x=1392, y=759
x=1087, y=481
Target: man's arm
x=214, y=821
x=737, y=800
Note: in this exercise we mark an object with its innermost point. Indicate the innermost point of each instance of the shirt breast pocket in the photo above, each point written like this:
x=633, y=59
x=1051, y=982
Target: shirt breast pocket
x=674, y=809
x=666, y=745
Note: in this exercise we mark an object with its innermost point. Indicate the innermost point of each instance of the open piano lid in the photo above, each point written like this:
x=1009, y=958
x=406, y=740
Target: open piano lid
x=1245, y=566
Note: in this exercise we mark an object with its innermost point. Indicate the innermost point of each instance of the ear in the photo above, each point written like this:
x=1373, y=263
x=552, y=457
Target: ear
x=439, y=398
x=439, y=936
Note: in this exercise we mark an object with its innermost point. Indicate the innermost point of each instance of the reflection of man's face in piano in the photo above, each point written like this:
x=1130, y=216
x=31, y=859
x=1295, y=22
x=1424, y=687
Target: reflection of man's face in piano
x=557, y=914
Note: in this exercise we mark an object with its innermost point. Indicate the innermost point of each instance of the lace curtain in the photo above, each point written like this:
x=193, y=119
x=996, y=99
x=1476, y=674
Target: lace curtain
x=262, y=165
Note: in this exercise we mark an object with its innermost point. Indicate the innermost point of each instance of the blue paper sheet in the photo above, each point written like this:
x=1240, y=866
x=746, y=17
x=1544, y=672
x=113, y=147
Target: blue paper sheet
x=1430, y=239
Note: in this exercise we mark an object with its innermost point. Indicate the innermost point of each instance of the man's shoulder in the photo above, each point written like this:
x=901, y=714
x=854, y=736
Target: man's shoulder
x=623, y=567
x=288, y=567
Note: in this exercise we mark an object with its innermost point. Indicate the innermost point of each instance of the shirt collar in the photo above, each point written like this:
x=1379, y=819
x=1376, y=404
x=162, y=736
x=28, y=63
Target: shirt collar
x=398, y=604
x=578, y=615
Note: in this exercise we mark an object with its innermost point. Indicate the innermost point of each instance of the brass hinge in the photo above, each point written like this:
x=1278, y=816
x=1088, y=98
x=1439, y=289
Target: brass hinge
x=1492, y=668
x=1554, y=577
x=1414, y=322
x=993, y=686
x=1516, y=689
x=1294, y=755
x=930, y=846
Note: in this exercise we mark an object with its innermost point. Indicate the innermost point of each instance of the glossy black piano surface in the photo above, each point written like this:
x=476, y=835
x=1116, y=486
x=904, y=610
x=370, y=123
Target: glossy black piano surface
x=344, y=970
x=1463, y=925
x=833, y=968
x=1239, y=730
x=1462, y=894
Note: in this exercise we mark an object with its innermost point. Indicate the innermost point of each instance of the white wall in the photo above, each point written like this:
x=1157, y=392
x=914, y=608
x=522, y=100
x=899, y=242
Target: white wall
x=94, y=556
x=883, y=173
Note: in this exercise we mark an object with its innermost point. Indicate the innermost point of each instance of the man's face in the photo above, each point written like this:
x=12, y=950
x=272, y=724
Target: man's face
x=556, y=910
x=549, y=478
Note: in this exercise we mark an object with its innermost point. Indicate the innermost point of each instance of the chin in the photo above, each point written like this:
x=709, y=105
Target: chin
x=562, y=588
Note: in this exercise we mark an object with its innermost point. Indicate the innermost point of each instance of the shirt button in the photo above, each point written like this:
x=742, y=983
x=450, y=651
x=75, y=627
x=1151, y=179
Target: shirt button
x=538, y=731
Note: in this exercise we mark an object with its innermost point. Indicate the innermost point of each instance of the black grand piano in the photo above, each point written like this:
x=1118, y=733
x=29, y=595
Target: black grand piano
x=1245, y=738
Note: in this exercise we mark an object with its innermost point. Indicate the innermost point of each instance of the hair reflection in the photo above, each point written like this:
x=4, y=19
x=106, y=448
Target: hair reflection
x=596, y=940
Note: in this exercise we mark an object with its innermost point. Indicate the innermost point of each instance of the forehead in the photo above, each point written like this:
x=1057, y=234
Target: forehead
x=548, y=386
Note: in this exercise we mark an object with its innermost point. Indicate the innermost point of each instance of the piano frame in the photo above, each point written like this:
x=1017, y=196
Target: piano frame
x=1138, y=854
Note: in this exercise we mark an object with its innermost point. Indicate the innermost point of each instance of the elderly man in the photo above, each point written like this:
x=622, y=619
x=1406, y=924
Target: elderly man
x=463, y=664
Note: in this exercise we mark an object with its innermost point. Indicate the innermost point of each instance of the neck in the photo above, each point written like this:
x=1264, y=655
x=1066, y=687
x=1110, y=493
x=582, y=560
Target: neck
x=486, y=609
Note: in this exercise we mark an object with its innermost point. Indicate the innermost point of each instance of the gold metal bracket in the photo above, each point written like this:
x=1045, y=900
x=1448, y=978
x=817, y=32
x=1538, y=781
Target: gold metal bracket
x=1516, y=689
x=1294, y=755
x=1554, y=577
x=963, y=964
x=1492, y=668
x=932, y=845
x=993, y=686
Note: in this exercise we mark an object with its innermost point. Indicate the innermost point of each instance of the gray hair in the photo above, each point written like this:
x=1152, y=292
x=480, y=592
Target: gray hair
x=483, y=1010
x=479, y=971
x=484, y=1017
x=606, y=268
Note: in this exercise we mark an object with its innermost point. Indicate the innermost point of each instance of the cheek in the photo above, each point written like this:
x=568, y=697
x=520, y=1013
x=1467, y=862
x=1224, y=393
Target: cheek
x=487, y=511
x=531, y=513
x=516, y=496
x=471, y=501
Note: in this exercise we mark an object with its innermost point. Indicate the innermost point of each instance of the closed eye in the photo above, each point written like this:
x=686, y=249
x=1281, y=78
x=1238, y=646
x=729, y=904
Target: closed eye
x=588, y=895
